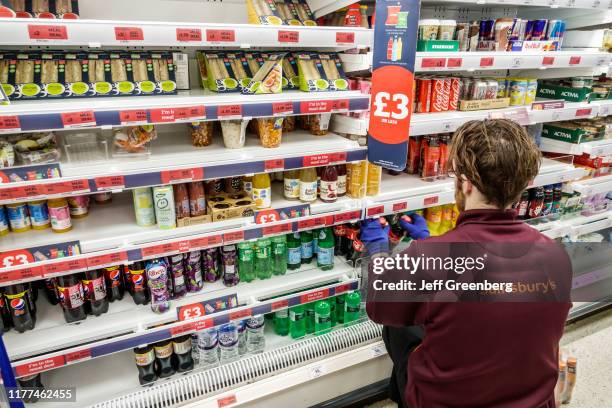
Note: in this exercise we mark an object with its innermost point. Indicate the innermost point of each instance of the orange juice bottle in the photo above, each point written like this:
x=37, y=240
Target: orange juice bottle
x=374, y=177
x=262, y=190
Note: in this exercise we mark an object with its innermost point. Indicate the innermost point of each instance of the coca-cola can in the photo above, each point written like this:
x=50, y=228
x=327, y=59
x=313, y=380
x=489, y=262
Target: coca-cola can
x=466, y=86
x=447, y=92
x=439, y=102
x=478, y=90
x=423, y=96
x=492, y=88
x=455, y=91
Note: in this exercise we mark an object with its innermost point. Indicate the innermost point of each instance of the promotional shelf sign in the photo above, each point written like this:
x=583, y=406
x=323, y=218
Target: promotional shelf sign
x=395, y=33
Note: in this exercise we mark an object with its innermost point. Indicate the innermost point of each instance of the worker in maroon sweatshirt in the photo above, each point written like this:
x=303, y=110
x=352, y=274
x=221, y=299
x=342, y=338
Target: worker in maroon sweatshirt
x=492, y=346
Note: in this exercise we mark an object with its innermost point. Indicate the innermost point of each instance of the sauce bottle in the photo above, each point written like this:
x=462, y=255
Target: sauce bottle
x=329, y=184
x=308, y=184
x=341, y=170
x=262, y=190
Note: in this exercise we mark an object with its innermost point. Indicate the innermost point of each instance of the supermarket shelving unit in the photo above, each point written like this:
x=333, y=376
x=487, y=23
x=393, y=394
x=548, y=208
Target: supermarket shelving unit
x=316, y=368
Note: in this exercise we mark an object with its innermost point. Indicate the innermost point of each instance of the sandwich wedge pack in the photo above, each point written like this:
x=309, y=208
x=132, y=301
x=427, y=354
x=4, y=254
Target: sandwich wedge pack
x=269, y=78
x=321, y=72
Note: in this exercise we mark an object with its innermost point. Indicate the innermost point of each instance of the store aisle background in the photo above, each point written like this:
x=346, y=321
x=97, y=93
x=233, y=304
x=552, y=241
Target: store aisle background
x=590, y=340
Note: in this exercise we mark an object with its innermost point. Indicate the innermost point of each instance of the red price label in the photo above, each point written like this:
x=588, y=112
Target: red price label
x=231, y=237
x=203, y=324
x=547, y=61
x=129, y=34
x=314, y=296
x=276, y=229
x=316, y=160
x=486, y=62
x=267, y=216
x=47, y=32
x=311, y=223
x=9, y=123
x=285, y=36
x=347, y=216
x=226, y=401
x=345, y=38
x=15, y=258
x=78, y=356
x=78, y=119
x=342, y=289
x=183, y=328
x=80, y=186
x=397, y=207
x=205, y=242
x=281, y=304
x=430, y=200
x=282, y=108
x=340, y=105
x=575, y=60
x=454, y=62
x=109, y=183
x=33, y=272
x=240, y=314
x=433, y=62
x=192, y=311
x=39, y=366
x=188, y=34
x=158, y=250
x=59, y=188
x=372, y=211
x=33, y=191
x=220, y=36
x=336, y=158
x=133, y=116
x=274, y=165
x=74, y=265
x=226, y=111
x=108, y=259
x=168, y=115
x=315, y=107
x=583, y=112
x=183, y=246
x=183, y=175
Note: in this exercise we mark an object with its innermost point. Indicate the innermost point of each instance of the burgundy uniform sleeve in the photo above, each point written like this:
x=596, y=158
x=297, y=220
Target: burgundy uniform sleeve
x=389, y=309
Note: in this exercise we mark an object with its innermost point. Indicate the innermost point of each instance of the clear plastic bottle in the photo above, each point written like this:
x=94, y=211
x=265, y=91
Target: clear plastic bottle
x=208, y=347
x=307, y=250
x=242, y=337
x=256, y=340
x=228, y=343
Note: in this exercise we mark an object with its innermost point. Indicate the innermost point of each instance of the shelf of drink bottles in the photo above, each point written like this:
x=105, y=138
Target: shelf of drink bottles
x=96, y=244
x=573, y=4
x=187, y=106
x=361, y=343
x=54, y=343
x=495, y=60
x=120, y=33
x=541, y=111
x=175, y=160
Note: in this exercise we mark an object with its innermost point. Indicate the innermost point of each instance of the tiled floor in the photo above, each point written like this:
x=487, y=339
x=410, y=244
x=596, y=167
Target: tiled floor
x=590, y=340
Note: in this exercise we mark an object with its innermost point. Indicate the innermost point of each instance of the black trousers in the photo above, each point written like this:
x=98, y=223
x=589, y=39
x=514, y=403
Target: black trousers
x=400, y=341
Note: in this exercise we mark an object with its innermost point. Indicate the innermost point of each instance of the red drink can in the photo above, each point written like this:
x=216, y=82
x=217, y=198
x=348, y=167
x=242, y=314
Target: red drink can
x=423, y=95
x=455, y=90
x=447, y=92
x=439, y=102
x=492, y=87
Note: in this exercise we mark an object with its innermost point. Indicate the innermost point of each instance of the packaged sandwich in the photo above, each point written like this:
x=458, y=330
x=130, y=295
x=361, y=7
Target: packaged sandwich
x=7, y=154
x=25, y=76
x=263, y=12
x=35, y=148
x=201, y=58
x=221, y=77
x=291, y=79
x=303, y=11
x=133, y=141
x=164, y=72
x=254, y=60
x=288, y=13
x=269, y=78
x=240, y=66
x=74, y=76
x=97, y=73
x=52, y=74
x=139, y=66
x=7, y=79
x=66, y=8
x=122, y=85
x=321, y=72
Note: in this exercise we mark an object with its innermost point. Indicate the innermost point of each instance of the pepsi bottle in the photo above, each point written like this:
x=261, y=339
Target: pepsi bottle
x=32, y=296
x=51, y=291
x=182, y=352
x=163, y=354
x=72, y=298
x=145, y=361
x=137, y=283
x=5, y=316
x=22, y=316
x=114, y=283
x=94, y=289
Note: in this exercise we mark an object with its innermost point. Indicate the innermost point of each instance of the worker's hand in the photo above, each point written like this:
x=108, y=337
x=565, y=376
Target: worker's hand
x=374, y=236
x=415, y=225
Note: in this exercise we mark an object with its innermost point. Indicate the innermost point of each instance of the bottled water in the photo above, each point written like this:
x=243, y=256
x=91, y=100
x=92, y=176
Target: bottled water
x=208, y=347
x=228, y=342
x=256, y=340
x=242, y=337
x=195, y=352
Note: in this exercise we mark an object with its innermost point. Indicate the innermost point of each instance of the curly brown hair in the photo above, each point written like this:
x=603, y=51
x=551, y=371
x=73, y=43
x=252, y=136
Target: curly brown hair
x=497, y=156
